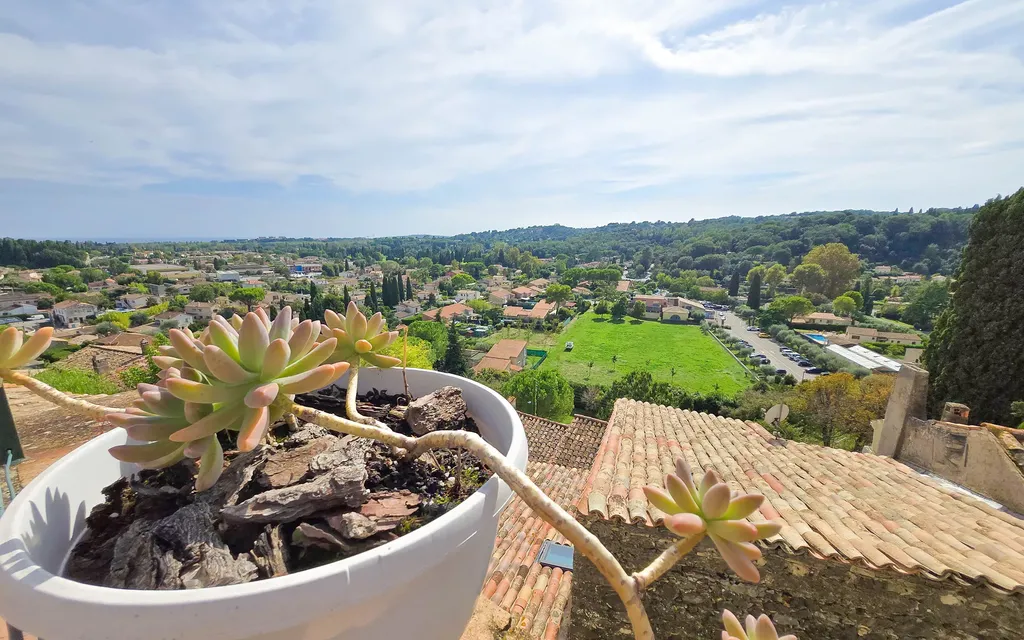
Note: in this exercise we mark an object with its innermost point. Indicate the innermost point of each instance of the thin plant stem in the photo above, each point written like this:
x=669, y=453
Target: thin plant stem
x=350, y=396
x=59, y=398
x=625, y=586
x=668, y=558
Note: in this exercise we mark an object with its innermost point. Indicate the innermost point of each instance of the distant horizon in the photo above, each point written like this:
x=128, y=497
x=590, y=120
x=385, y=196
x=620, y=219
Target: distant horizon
x=142, y=240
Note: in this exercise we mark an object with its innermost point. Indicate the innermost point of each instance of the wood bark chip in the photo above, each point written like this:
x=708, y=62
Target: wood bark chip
x=310, y=535
x=389, y=508
x=442, y=409
x=289, y=466
x=270, y=553
x=342, y=487
x=353, y=525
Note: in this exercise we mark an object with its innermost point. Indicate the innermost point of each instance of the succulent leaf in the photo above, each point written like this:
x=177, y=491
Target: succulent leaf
x=15, y=352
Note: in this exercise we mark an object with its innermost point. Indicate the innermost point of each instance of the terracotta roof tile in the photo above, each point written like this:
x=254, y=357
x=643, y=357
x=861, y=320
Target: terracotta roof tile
x=852, y=507
x=535, y=596
x=571, y=445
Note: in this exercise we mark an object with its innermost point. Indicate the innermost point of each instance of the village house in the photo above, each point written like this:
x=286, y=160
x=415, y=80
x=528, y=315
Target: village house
x=622, y=286
x=227, y=276
x=656, y=304
x=101, y=285
x=200, y=311
x=458, y=311
x=540, y=283
x=499, y=297
x=465, y=295
x=132, y=301
x=536, y=315
x=11, y=309
x=868, y=334
x=821, y=318
x=524, y=293
x=158, y=290
x=72, y=313
x=179, y=318
x=505, y=355
x=407, y=308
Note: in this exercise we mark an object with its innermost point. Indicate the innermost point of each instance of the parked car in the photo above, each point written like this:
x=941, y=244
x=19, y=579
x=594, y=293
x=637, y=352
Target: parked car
x=752, y=329
x=816, y=370
x=764, y=335
x=781, y=372
x=569, y=345
x=806, y=364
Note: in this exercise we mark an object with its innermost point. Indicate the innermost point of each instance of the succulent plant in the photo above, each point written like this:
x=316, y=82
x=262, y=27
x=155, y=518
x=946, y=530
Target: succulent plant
x=227, y=378
x=359, y=338
x=757, y=629
x=16, y=352
x=712, y=509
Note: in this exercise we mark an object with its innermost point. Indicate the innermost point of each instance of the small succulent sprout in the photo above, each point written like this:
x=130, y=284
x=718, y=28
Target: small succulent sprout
x=757, y=629
x=359, y=338
x=227, y=378
x=16, y=352
x=711, y=509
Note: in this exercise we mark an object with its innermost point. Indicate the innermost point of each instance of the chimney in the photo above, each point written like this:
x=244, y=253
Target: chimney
x=956, y=413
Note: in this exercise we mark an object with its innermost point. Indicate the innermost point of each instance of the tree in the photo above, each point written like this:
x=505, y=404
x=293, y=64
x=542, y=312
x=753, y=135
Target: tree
x=601, y=308
x=177, y=303
x=433, y=333
x=976, y=353
x=249, y=297
x=928, y=302
x=773, y=277
x=558, y=293
x=734, y=284
x=462, y=280
x=619, y=308
x=756, y=272
x=844, y=306
x=809, y=278
x=858, y=299
x=454, y=358
x=791, y=306
x=345, y=297
x=417, y=354
x=841, y=404
x=408, y=289
x=202, y=293
x=372, y=297
x=840, y=266
x=107, y=329
x=754, y=295
x=638, y=309
x=546, y=393
x=138, y=318
x=869, y=300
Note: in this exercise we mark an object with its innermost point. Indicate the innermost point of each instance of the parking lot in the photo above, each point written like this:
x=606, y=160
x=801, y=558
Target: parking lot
x=764, y=346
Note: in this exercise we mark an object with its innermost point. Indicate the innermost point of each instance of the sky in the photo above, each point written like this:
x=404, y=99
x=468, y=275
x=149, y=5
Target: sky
x=245, y=118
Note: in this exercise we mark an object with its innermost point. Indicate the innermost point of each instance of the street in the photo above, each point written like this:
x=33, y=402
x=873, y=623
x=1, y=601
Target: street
x=765, y=346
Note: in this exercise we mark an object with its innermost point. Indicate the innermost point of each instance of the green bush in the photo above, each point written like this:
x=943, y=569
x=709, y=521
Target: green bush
x=133, y=376
x=76, y=381
x=59, y=353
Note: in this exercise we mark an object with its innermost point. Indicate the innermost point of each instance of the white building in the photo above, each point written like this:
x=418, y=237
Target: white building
x=10, y=309
x=227, y=276
x=463, y=295
x=200, y=311
x=72, y=313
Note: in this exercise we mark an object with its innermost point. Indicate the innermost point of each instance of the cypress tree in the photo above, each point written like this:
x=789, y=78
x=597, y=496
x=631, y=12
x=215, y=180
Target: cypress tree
x=408, y=288
x=976, y=353
x=734, y=284
x=344, y=295
x=754, y=295
x=869, y=300
x=373, y=297
x=454, y=359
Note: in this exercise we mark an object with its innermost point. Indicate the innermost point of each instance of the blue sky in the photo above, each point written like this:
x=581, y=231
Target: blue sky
x=239, y=118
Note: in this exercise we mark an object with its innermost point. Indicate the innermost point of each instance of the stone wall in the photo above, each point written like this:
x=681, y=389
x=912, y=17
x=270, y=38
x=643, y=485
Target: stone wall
x=812, y=598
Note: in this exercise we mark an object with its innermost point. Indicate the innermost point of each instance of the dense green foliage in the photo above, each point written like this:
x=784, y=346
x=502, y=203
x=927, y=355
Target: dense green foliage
x=641, y=385
x=976, y=353
x=454, y=360
x=542, y=393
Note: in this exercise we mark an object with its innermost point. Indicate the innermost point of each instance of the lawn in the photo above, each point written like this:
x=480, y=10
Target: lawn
x=698, y=361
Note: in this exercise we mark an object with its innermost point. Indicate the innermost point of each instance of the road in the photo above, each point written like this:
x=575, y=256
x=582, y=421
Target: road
x=765, y=346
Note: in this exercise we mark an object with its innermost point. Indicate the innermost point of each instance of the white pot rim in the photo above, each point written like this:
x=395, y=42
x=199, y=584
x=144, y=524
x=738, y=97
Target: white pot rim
x=18, y=569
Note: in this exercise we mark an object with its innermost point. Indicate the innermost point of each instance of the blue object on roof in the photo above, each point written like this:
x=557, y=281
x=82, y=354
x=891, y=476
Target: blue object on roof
x=553, y=554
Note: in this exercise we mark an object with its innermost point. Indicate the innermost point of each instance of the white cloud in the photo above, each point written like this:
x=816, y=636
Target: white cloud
x=670, y=108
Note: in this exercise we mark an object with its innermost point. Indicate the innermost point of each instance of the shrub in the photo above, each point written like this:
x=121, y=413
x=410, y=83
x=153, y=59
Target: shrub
x=133, y=376
x=107, y=328
x=138, y=318
x=119, y=318
x=77, y=381
x=59, y=353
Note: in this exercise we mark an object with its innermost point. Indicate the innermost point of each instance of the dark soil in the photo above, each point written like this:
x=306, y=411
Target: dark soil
x=400, y=496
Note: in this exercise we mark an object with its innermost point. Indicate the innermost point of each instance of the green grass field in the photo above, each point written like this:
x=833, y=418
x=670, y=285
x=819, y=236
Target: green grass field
x=699, y=362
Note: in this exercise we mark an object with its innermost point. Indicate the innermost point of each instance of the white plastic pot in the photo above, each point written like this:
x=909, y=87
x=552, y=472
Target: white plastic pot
x=422, y=585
